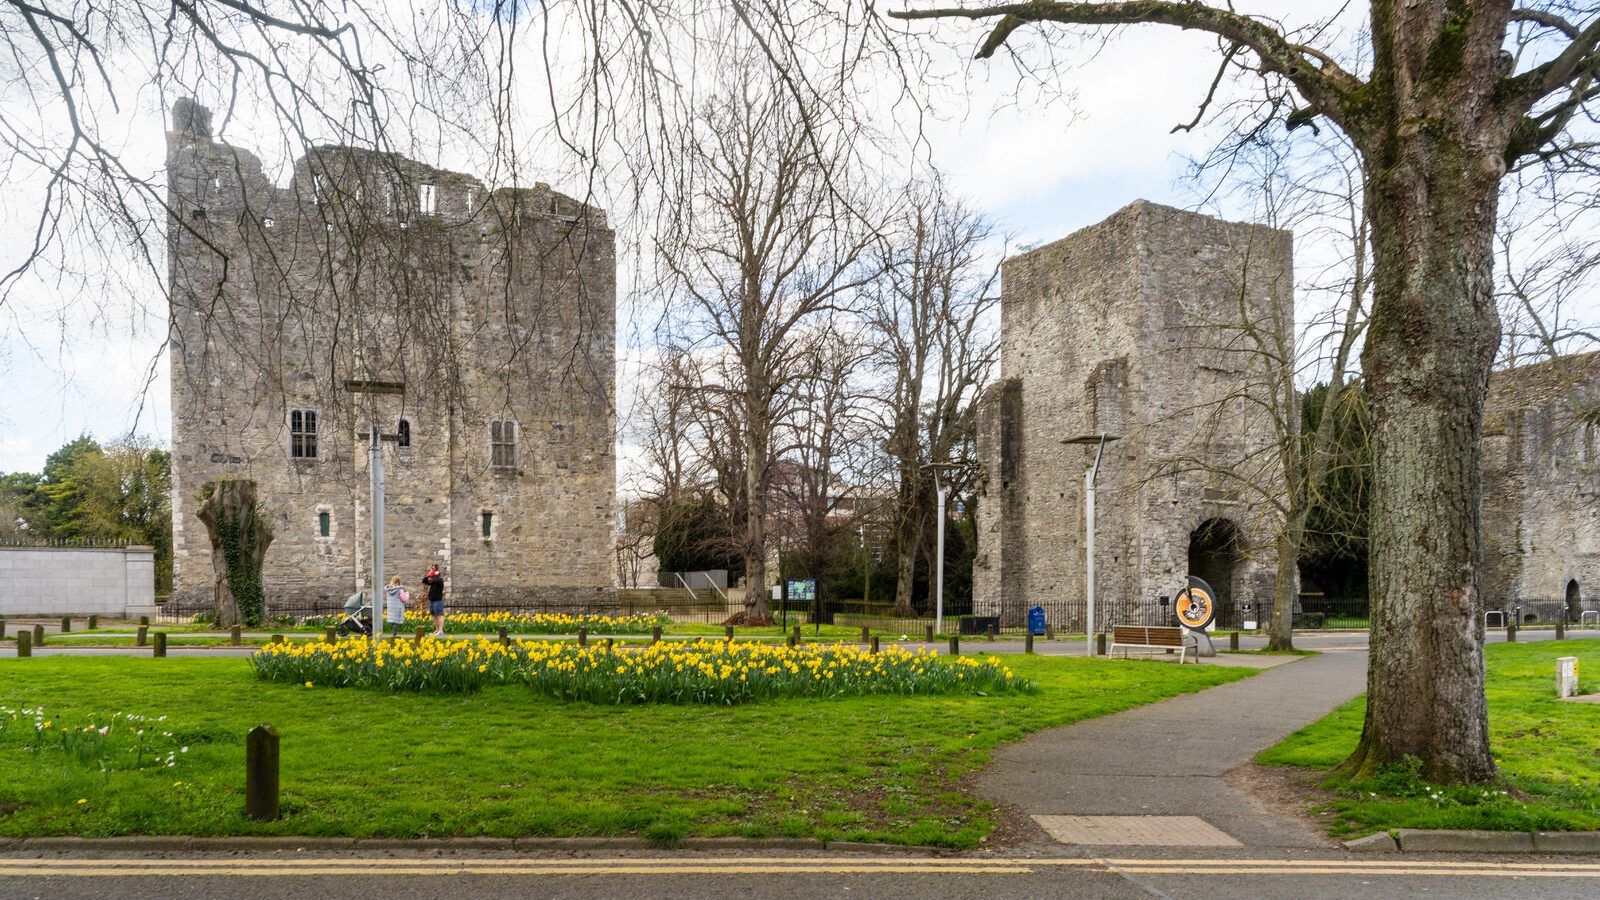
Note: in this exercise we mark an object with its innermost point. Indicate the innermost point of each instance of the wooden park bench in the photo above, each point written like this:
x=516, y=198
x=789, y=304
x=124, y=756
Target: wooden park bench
x=1150, y=637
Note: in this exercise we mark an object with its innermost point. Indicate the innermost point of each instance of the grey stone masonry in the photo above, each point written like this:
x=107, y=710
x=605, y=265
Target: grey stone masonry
x=1136, y=327
x=1541, y=489
x=495, y=307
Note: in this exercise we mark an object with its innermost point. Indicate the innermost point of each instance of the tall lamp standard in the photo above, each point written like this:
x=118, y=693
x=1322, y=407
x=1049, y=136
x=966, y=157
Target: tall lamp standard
x=1099, y=440
x=375, y=470
x=942, y=491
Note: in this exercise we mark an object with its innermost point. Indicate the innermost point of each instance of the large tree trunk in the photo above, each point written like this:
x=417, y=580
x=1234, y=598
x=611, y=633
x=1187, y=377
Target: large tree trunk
x=1280, y=628
x=908, y=537
x=756, y=609
x=239, y=540
x=1432, y=190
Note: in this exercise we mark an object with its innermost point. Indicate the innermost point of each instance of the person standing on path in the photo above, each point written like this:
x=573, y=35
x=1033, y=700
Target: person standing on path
x=395, y=601
x=435, y=583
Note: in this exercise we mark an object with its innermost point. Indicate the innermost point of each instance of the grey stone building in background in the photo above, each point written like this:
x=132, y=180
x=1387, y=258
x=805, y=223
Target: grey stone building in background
x=1541, y=489
x=495, y=308
x=1139, y=327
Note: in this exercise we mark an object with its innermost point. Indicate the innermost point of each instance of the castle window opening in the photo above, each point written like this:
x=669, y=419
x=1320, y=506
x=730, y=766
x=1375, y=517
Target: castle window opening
x=324, y=524
x=405, y=432
x=303, y=433
x=488, y=524
x=1574, y=601
x=503, y=443
x=1214, y=556
x=470, y=198
x=428, y=199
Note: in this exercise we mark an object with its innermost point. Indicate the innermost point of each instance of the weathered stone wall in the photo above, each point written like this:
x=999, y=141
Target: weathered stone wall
x=1541, y=488
x=1134, y=327
x=78, y=581
x=488, y=305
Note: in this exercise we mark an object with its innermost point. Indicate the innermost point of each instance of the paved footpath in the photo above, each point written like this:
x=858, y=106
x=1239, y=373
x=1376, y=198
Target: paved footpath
x=1169, y=758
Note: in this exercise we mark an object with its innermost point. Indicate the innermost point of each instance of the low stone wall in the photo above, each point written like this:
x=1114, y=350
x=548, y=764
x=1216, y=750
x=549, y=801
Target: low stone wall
x=77, y=581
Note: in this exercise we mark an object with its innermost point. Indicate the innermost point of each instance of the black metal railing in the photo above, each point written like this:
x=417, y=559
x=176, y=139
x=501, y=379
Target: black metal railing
x=290, y=612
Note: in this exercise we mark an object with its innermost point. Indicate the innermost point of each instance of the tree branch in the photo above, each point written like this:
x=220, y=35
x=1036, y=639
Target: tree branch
x=1327, y=86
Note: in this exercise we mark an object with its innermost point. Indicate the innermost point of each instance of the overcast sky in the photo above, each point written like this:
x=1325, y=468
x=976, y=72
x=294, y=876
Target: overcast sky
x=1040, y=171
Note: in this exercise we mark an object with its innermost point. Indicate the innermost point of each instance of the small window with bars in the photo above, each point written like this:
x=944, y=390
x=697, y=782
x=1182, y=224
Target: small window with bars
x=488, y=524
x=324, y=524
x=427, y=199
x=303, y=433
x=503, y=444
x=405, y=432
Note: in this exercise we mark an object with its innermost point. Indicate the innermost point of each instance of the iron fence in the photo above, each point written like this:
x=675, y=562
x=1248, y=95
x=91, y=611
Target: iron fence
x=289, y=612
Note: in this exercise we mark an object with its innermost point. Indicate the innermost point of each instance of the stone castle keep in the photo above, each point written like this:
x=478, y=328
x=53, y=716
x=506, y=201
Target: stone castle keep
x=495, y=308
x=1133, y=327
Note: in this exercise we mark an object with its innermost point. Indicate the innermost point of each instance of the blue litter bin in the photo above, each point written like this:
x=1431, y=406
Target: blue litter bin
x=1036, y=621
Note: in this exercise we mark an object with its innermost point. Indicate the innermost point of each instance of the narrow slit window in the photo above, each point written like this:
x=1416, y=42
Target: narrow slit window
x=503, y=443
x=324, y=524
x=488, y=524
x=303, y=433
x=405, y=432
x=428, y=199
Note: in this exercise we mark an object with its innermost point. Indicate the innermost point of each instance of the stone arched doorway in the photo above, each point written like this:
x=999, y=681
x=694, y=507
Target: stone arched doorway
x=1214, y=556
x=1574, y=601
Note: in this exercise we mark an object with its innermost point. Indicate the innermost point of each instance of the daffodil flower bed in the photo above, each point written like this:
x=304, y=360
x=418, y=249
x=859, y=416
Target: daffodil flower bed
x=700, y=672
x=524, y=623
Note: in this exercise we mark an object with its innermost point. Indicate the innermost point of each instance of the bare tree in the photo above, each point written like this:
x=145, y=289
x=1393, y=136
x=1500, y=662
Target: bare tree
x=1443, y=113
x=769, y=242
x=934, y=350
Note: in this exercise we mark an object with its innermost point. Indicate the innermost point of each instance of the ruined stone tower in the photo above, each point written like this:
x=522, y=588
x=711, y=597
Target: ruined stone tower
x=496, y=309
x=1541, y=484
x=1146, y=326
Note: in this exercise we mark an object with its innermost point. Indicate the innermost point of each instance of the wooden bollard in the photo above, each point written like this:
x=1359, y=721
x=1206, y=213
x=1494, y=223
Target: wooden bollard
x=1049, y=632
x=236, y=635
x=955, y=645
x=505, y=639
x=874, y=643
x=38, y=635
x=94, y=622
x=989, y=634
x=866, y=634
x=929, y=637
x=583, y=636
x=727, y=632
x=261, y=773
x=1233, y=641
x=159, y=646
x=144, y=620
x=24, y=644
x=66, y=624
x=277, y=639
x=1561, y=631
x=610, y=644
x=794, y=637
x=1511, y=634
x=142, y=637
x=330, y=634
x=1027, y=642
x=2, y=629
x=421, y=632
x=655, y=634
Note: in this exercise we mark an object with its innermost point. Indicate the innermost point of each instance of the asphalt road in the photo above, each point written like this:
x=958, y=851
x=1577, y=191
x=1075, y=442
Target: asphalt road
x=335, y=877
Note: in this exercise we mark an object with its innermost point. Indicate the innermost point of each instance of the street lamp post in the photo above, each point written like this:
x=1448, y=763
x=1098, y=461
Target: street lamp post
x=1089, y=477
x=375, y=470
x=941, y=491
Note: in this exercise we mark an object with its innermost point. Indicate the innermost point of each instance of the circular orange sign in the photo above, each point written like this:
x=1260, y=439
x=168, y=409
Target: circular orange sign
x=1195, y=608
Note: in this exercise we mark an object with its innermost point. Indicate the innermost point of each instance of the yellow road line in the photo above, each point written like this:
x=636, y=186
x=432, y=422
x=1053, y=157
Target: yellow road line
x=495, y=868
x=1343, y=870
x=931, y=862
x=1350, y=863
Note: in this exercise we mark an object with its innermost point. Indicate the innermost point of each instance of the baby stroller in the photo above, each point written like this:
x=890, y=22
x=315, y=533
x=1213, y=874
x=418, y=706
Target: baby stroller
x=357, y=615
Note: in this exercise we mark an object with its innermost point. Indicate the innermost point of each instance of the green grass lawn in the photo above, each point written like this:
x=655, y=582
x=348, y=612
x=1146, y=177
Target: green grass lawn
x=508, y=762
x=1548, y=752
